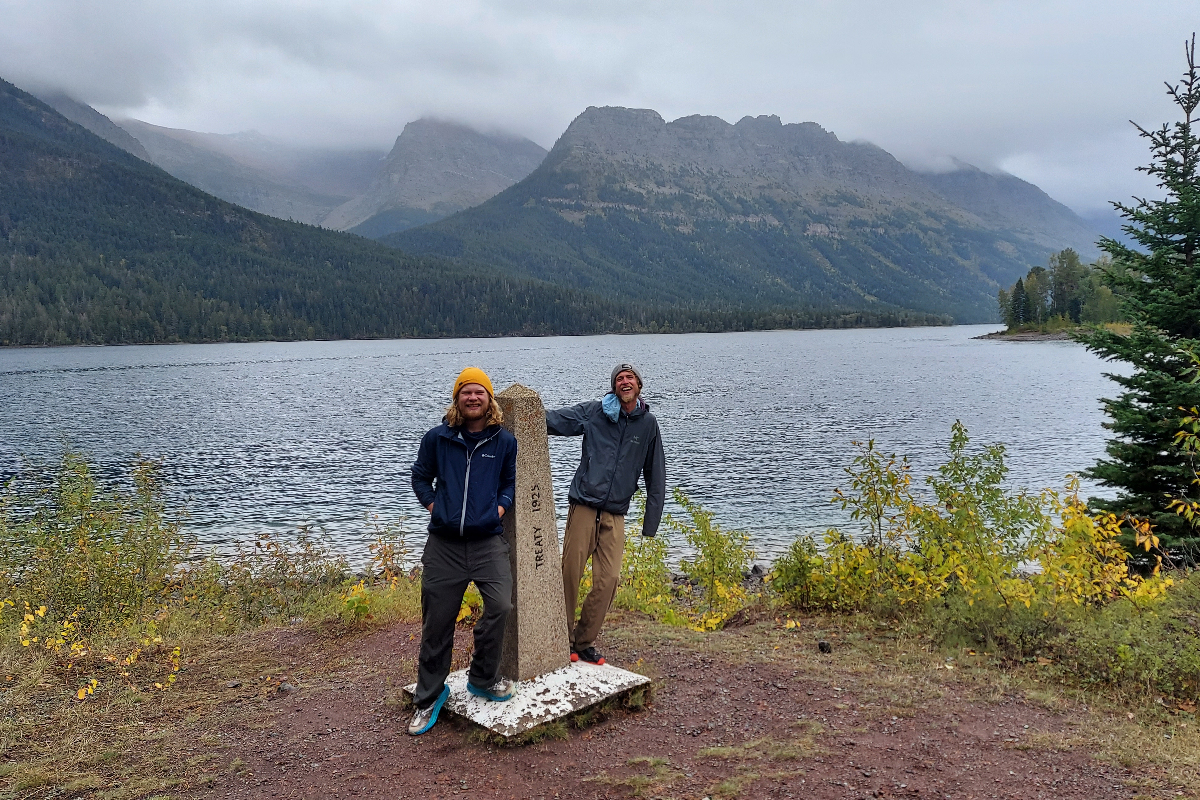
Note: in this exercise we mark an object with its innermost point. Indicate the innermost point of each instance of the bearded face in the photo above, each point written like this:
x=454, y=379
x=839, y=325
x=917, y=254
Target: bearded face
x=473, y=402
x=627, y=387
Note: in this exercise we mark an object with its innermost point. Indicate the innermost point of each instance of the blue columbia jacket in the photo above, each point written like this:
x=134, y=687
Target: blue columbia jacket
x=466, y=485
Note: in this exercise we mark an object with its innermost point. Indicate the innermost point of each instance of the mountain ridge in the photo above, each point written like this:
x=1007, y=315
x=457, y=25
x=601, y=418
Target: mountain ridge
x=94, y=121
x=754, y=213
x=100, y=247
x=221, y=175
x=1004, y=199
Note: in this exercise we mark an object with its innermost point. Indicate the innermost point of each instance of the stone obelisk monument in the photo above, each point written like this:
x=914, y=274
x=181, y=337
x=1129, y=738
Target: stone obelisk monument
x=535, y=641
x=536, y=651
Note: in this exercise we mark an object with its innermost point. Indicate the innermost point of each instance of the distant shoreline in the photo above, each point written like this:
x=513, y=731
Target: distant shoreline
x=1028, y=336
x=510, y=335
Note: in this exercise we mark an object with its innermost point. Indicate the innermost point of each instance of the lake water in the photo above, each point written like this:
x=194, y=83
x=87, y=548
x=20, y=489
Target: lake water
x=757, y=426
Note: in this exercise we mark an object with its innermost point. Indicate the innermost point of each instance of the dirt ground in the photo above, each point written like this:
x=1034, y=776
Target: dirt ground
x=752, y=712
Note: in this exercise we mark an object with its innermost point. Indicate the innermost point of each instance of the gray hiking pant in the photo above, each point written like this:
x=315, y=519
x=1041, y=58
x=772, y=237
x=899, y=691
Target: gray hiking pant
x=447, y=567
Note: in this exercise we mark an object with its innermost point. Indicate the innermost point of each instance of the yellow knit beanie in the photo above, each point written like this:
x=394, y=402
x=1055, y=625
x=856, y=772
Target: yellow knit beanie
x=473, y=375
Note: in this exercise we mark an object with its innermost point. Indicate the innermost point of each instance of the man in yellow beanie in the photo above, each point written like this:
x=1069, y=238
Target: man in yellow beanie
x=465, y=475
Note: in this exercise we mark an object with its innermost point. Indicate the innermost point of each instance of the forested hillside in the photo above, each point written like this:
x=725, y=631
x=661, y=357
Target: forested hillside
x=97, y=246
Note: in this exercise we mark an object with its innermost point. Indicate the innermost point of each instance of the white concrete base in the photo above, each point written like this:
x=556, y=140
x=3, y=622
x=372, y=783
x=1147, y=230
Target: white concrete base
x=540, y=700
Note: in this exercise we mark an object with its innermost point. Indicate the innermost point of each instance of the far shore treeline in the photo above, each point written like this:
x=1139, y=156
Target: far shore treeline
x=1066, y=294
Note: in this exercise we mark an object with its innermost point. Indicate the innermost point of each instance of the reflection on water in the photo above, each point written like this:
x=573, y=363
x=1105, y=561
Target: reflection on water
x=757, y=426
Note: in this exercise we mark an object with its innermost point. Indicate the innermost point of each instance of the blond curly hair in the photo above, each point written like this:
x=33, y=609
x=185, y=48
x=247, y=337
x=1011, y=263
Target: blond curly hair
x=495, y=416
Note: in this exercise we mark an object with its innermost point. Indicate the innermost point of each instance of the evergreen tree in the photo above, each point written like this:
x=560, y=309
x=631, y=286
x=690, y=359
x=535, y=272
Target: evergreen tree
x=1159, y=288
x=1020, y=303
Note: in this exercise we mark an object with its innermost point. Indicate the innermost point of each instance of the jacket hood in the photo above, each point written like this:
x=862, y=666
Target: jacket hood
x=612, y=407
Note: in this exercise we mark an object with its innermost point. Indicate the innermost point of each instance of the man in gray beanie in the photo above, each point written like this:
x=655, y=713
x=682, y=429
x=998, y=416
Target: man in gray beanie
x=620, y=442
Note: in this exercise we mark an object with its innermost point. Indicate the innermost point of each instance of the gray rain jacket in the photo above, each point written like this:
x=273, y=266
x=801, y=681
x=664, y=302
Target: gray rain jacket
x=614, y=454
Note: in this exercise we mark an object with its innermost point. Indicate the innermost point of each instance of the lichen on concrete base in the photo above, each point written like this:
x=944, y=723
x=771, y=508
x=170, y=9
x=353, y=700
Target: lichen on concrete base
x=539, y=700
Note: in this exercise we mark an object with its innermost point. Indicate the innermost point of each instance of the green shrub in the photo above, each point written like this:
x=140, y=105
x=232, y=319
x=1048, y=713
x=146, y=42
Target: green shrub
x=471, y=607
x=392, y=553
x=792, y=574
x=878, y=498
x=1013, y=632
x=1137, y=649
x=97, y=589
x=645, y=579
x=275, y=579
x=721, y=558
x=985, y=564
x=77, y=553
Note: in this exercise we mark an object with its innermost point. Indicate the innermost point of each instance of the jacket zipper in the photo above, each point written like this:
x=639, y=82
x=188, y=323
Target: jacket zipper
x=613, y=475
x=462, y=517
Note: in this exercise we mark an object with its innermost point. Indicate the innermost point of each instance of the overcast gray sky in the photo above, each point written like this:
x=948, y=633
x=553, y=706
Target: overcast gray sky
x=1041, y=89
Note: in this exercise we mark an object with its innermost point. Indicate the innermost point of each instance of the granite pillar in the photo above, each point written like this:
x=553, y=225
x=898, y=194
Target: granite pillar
x=536, y=640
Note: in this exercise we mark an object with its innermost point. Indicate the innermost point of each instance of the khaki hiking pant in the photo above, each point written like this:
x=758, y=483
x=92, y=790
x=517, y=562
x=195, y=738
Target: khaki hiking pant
x=600, y=536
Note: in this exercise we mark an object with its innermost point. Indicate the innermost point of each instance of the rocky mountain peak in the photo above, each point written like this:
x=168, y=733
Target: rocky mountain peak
x=757, y=155
x=759, y=211
x=435, y=168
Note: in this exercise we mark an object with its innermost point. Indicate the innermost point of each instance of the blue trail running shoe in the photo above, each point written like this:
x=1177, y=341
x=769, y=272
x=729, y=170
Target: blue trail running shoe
x=499, y=691
x=424, y=718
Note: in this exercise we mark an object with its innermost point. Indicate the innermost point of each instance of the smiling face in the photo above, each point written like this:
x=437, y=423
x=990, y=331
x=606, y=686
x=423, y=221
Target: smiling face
x=626, y=387
x=472, y=402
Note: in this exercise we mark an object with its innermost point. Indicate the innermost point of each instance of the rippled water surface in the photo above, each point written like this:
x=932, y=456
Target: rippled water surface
x=756, y=425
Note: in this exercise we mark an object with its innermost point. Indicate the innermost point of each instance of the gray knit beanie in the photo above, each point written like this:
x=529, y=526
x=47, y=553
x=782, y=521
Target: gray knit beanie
x=618, y=369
